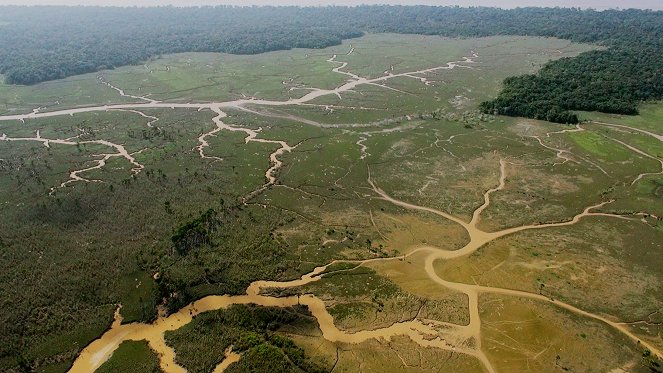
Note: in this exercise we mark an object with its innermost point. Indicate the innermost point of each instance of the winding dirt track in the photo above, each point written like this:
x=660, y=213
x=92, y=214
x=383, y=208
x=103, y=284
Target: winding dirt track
x=426, y=333
x=645, y=154
x=648, y=133
x=479, y=238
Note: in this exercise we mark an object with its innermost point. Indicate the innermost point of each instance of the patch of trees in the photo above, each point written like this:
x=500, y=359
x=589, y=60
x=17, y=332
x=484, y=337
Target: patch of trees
x=272, y=353
x=38, y=44
x=610, y=81
x=195, y=233
x=252, y=331
x=221, y=251
x=132, y=356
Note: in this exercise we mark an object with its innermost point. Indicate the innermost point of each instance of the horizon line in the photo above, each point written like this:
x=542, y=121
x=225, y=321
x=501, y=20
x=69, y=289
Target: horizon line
x=190, y=6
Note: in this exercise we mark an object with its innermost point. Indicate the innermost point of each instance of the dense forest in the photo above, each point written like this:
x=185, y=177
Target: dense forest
x=610, y=81
x=39, y=44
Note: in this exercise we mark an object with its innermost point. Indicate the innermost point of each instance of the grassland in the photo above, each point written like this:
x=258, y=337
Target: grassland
x=153, y=207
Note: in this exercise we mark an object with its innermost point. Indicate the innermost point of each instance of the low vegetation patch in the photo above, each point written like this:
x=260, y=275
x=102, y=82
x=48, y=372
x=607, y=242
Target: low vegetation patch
x=252, y=331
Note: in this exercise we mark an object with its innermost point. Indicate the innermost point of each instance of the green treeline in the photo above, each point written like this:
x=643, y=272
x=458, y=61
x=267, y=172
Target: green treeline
x=44, y=43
